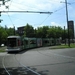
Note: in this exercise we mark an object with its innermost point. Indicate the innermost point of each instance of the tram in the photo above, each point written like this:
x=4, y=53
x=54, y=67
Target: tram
x=16, y=43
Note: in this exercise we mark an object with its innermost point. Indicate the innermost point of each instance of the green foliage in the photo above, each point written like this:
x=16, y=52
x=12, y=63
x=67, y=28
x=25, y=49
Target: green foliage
x=46, y=31
x=29, y=31
x=63, y=46
x=4, y=33
x=40, y=32
x=55, y=32
x=10, y=31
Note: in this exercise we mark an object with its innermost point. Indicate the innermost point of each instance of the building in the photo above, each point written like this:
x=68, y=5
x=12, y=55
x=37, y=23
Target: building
x=71, y=27
x=20, y=30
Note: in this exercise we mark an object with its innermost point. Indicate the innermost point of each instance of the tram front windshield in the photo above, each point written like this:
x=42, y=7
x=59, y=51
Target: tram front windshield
x=11, y=42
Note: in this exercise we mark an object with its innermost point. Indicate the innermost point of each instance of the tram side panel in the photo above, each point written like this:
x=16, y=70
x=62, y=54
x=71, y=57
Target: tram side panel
x=32, y=43
x=46, y=41
x=39, y=42
x=16, y=43
x=26, y=43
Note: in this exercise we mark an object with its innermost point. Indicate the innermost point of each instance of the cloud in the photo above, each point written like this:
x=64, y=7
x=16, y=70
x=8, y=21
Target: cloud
x=55, y=24
x=42, y=5
x=32, y=5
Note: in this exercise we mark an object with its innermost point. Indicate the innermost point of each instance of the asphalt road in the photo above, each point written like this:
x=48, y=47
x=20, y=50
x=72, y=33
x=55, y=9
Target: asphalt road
x=40, y=61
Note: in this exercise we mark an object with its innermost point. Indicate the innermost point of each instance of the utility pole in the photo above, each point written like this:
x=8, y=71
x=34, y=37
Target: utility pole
x=14, y=30
x=64, y=36
x=67, y=23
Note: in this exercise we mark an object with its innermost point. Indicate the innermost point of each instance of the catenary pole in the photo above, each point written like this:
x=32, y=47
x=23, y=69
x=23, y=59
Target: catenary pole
x=67, y=23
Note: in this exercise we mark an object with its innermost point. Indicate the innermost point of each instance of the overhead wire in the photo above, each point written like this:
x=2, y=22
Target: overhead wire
x=42, y=21
x=71, y=3
x=52, y=13
x=10, y=4
x=22, y=9
x=58, y=10
x=9, y=15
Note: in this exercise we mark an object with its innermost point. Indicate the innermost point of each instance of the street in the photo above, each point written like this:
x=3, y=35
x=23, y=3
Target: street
x=39, y=61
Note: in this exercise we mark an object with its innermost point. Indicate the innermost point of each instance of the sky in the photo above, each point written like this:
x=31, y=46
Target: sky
x=57, y=18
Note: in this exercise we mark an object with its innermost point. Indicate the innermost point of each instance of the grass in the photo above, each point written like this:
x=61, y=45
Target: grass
x=2, y=49
x=63, y=46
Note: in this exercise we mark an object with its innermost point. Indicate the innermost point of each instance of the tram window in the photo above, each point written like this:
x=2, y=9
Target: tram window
x=11, y=42
x=32, y=42
x=19, y=42
x=46, y=41
x=26, y=42
x=52, y=41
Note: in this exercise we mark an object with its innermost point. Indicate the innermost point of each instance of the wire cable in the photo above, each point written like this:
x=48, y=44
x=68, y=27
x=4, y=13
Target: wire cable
x=10, y=19
x=10, y=4
x=44, y=20
x=52, y=13
x=36, y=12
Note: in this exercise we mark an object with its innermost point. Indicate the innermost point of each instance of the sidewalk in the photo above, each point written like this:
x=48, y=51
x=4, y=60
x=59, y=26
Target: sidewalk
x=3, y=48
x=2, y=53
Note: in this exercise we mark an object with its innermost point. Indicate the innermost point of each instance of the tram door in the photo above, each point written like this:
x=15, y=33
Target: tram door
x=11, y=42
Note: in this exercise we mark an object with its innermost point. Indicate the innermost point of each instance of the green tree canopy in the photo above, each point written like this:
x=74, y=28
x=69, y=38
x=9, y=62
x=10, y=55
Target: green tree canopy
x=3, y=35
x=29, y=31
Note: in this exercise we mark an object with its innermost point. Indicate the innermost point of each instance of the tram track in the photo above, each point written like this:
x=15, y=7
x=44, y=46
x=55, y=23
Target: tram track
x=21, y=68
x=29, y=69
x=25, y=63
x=5, y=66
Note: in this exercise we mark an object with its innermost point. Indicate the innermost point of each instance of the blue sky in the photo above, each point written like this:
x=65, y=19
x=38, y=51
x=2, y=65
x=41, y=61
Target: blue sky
x=57, y=18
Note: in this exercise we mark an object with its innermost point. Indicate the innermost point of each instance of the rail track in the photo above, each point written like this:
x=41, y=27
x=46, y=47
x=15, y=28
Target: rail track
x=14, y=66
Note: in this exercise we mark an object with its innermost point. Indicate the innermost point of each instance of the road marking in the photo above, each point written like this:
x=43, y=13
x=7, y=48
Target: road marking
x=4, y=66
x=70, y=57
x=27, y=67
x=62, y=55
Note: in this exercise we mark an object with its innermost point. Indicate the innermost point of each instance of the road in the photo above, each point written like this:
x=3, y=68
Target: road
x=39, y=61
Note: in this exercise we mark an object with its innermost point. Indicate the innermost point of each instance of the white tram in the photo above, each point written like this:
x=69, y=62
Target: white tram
x=14, y=43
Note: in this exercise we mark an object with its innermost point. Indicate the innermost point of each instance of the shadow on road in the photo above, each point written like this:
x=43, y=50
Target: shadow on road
x=17, y=52
x=23, y=51
x=21, y=71
x=20, y=52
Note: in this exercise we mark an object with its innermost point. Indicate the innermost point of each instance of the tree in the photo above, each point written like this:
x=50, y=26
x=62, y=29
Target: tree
x=55, y=32
x=51, y=32
x=3, y=35
x=39, y=32
x=10, y=31
x=45, y=31
x=29, y=31
x=59, y=31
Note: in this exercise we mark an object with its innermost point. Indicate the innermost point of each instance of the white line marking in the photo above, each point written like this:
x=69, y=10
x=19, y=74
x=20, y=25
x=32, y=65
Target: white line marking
x=62, y=55
x=70, y=57
x=27, y=67
x=4, y=66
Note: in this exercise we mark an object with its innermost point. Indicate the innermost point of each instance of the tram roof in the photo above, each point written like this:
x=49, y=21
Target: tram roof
x=13, y=37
